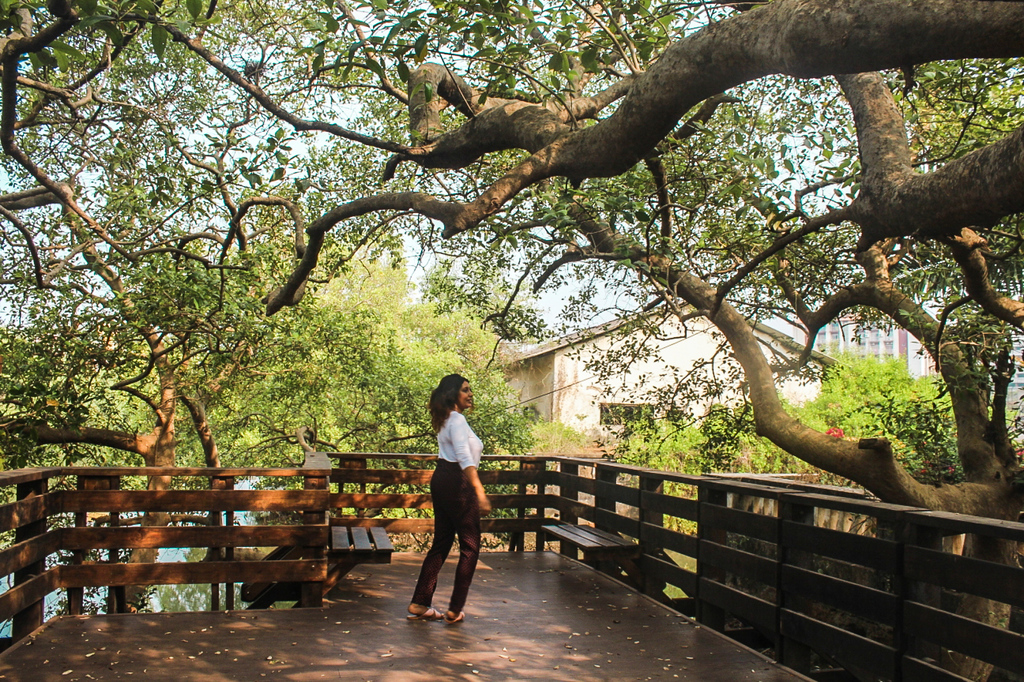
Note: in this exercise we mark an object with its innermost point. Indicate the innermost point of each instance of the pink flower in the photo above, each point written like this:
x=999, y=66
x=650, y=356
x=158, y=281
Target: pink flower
x=835, y=432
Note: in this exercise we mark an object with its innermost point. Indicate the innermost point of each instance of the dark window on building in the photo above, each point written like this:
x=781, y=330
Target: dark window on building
x=617, y=414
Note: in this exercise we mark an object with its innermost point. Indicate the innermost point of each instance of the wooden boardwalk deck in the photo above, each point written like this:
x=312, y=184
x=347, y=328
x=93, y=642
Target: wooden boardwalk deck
x=531, y=616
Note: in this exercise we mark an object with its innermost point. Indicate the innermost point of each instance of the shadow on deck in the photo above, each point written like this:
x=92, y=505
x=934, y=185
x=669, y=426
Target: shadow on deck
x=530, y=616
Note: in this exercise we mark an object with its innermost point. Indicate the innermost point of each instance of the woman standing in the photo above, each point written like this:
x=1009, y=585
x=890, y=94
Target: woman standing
x=459, y=500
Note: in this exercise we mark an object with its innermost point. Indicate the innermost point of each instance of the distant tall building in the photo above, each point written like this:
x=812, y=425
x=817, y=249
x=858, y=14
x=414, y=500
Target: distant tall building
x=845, y=335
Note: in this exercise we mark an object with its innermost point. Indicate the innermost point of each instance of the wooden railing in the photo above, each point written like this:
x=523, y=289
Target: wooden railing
x=822, y=577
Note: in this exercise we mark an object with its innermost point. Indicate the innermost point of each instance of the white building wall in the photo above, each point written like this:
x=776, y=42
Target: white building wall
x=577, y=395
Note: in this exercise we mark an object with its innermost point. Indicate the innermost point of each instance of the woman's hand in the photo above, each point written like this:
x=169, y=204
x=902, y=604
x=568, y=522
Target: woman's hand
x=481, y=496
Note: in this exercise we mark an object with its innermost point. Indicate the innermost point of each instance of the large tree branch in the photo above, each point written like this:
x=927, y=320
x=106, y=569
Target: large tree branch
x=424, y=204
x=875, y=468
x=804, y=38
x=969, y=249
x=48, y=435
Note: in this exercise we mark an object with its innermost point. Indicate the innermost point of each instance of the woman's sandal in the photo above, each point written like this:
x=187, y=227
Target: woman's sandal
x=430, y=614
x=457, y=619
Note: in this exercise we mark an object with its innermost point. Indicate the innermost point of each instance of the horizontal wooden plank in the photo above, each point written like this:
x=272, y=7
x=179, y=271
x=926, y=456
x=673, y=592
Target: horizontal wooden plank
x=672, y=477
x=423, y=501
x=792, y=482
x=416, y=457
x=523, y=501
x=426, y=525
x=884, y=555
x=881, y=607
x=978, y=640
x=660, y=570
x=180, y=573
x=389, y=476
x=406, y=525
x=960, y=523
x=616, y=523
x=753, y=525
x=868, y=657
x=22, y=554
x=735, y=487
x=739, y=563
x=29, y=510
x=584, y=485
x=746, y=607
x=879, y=510
x=669, y=504
x=35, y=589
x=916, y=670
x=199, y=472
x=498, y=525
x=964, y=574
x=216, y=536
x=608, y=491
x=578, y=509
x=657, y=537
x=194, y=500
x=30, y=475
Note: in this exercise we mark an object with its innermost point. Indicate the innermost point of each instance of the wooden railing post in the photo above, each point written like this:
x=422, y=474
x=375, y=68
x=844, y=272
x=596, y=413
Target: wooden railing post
x=76, y=595
x=898, y=530
x=349, y=463
x=650, y=482
x=606, y=475
x=790, y=652
x=312, y=593
x=542, y=491
x=921, y=592
x=709, y=614
x=117, y=601
x=568, y=490
x=31, y=617
x=222, y=553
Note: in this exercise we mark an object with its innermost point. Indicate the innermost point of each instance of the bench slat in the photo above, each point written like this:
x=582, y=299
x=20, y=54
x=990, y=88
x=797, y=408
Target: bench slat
x=339, y=539
x=574, y=535
x=381, y=540
x=610, y=537
x=360, y=539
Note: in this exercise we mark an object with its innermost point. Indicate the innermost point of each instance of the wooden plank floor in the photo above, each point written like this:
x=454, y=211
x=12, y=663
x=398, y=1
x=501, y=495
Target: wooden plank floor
x=531, y=616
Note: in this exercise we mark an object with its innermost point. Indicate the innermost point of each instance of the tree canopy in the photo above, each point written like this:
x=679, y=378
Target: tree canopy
x=809, y=159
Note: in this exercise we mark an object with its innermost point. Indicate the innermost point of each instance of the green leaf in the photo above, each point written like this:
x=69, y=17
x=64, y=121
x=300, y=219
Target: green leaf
x=62, y=60
x=115, y=35
x=403, y=71
x=420, y=48
x=61, y=47
x=589, y=59
x=375, y=66
x=194, y=7
x=159, y=38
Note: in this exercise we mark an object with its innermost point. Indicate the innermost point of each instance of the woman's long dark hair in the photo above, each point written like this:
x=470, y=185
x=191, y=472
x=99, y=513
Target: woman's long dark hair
x=442, y=399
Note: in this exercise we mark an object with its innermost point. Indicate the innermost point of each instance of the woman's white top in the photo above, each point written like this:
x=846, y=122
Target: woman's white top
x=458, y=443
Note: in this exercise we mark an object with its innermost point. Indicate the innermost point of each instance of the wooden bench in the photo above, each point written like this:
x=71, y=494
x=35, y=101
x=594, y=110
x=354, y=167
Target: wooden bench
x=350, y=546
x=362, y=545
x=599, y=545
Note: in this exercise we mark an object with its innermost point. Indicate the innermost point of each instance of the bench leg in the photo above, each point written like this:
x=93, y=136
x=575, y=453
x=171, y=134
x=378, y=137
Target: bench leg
x=634, y=573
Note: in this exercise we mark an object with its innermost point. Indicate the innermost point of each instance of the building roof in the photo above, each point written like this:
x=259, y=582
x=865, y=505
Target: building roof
x=529, y=351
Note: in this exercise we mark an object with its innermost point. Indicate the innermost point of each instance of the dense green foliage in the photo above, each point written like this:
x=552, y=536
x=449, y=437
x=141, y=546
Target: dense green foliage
x=860, y=397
